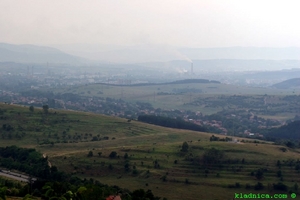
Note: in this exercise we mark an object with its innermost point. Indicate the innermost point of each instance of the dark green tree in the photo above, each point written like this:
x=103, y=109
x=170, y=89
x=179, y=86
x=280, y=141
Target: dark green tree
x=113, y=154
x=259, y=186
x=212, y=156
x=46, y=109
x=31, y=108
x=90, y=154
x=259, y=174
x=3, y=193
x=185, y=147
x=296, y=187
x=126, y=166
x=279, y=173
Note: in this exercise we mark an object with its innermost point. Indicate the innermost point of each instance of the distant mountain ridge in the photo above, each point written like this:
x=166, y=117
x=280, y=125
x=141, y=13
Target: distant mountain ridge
x=291, y=83
x=227, y=65
x=247, y=53
x=35, y=54
x=165, y=53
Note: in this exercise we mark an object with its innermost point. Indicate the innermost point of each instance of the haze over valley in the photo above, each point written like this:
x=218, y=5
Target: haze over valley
x=149, y=100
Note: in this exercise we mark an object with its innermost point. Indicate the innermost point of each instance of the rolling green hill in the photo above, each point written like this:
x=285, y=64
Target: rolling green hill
x=134, y=155
x=291, y=83
x=177, y=95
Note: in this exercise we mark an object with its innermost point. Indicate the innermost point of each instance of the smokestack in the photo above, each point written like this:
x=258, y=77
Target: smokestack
x=192, y=72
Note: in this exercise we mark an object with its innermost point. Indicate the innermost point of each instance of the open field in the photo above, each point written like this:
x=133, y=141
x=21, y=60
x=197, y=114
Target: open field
x=146, y=92
x=188, y=96
x=149, y=156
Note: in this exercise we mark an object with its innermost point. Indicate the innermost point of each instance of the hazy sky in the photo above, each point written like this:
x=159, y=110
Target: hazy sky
x=188, y=23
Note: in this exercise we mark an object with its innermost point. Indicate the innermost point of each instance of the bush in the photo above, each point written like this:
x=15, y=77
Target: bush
x=283, y=149
x=90, y=154
x=164, y=178
x=259, y=174
x=187, y=181
x=259, y=186
x=280, y=186
x=113, y=154
x=135, y=172
x=110, y=166
x=212, y=156
x=279, y=173
x=185, y=147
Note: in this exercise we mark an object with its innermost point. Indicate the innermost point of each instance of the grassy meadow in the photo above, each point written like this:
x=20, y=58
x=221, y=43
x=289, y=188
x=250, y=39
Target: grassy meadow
x=148, y=156
x=189, y=96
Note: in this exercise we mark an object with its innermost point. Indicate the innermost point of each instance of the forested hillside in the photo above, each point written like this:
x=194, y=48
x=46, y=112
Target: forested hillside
x=171, y=123
x=290, y=131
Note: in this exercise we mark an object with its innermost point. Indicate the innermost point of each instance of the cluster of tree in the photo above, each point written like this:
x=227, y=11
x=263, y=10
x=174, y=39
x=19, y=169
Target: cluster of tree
x=144, y=105
x=215, y=138
x=213, y=156
x=185, y=147
x=237, y=122
x=185, y=81
x=193, y=81
x=73, y=189
x=186, y=90
x=53, y=184
x=289, y=131
x=170, y=122
x=259, y=186
x=107, y=106
x=7, y=127
x=29, y=161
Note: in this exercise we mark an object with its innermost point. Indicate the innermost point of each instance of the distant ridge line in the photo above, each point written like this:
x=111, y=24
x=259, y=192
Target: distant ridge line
x=185, y=81
x=287, y=84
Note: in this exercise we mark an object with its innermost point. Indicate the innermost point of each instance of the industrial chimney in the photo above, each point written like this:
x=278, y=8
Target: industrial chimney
x=192, y=72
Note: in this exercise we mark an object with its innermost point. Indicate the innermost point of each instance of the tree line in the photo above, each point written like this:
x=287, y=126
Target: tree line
x=171, y=122
x=54, y=184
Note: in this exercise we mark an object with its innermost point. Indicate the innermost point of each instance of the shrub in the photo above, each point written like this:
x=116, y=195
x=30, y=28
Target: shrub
x=259, y=186
x=113, y=154
x=110, y=166
x=283, y=149
x=259, y=174
x=185, y=147
x=135, y=172
x=279, y=173
x=90, y=154
x=212, y=156
x=187, y=181
x=280, y=186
